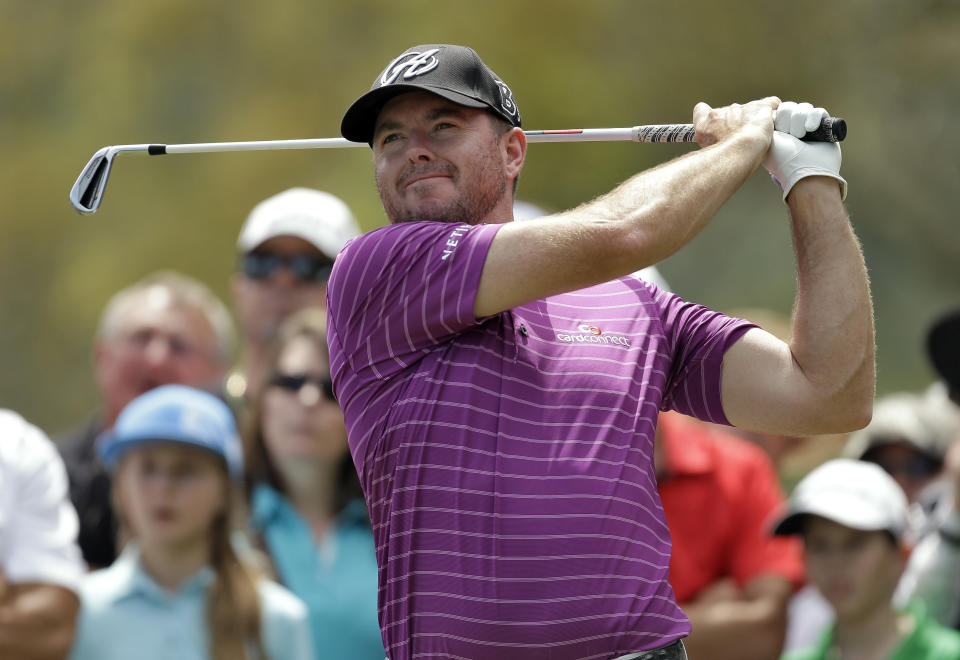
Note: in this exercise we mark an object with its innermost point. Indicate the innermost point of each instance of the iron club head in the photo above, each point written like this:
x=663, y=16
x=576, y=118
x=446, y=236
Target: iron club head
x=88, y=190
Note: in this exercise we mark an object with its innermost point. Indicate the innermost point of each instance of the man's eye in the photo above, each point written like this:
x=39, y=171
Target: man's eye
x=390, y=137
x=442, y=125
x=140, y=337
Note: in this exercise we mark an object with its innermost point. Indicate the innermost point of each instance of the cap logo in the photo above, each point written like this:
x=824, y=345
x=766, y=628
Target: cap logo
x=506, y=98
x=411, y=65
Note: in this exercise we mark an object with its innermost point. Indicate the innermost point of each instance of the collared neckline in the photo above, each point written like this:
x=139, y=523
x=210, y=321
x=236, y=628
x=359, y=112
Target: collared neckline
x=136, y=581
x=268, y=504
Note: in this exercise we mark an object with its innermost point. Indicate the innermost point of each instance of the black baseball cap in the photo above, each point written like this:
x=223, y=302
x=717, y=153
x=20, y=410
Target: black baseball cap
x=455, y=73
x=943, y=347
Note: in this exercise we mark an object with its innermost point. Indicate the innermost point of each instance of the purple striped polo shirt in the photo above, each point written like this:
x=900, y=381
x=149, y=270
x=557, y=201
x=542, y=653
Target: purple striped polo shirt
x=508, y=462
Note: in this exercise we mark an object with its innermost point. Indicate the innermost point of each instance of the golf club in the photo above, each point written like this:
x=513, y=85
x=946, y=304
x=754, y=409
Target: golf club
x=87, y=192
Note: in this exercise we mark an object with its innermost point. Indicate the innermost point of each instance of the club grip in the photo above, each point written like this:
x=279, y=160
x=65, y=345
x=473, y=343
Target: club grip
x=832, y=129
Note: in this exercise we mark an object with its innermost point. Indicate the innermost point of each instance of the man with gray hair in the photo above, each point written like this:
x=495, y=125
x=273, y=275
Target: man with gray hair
x=166, y=328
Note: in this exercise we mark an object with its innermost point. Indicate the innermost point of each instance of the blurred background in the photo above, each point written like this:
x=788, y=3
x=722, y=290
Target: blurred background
x=76, y=76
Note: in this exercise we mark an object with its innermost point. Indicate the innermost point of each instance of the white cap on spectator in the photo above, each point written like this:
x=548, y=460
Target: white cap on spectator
x=319, y=218
x=852, y=493
x=905, y=418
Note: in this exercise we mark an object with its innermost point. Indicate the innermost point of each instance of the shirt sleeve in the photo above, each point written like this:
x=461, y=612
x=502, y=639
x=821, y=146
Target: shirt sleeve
x=39, y=539
x=756, y=551
x=396, y=292
x=698, y=338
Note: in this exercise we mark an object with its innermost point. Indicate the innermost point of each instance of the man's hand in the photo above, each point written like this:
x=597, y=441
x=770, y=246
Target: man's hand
x=791, y=159
x=716, y=124
x=37, y=621
x=734, y=623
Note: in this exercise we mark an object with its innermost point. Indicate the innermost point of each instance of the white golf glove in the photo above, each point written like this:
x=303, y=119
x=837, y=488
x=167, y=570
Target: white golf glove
x=791, y=159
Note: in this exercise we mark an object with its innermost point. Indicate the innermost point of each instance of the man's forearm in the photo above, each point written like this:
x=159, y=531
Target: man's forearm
x=735, y=631
x=641, y=222
x=833, y=340
x=662, y=209
x=745, y=624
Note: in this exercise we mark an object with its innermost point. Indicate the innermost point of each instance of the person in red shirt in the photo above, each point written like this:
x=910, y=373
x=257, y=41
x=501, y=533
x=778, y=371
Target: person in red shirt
x=730, y=575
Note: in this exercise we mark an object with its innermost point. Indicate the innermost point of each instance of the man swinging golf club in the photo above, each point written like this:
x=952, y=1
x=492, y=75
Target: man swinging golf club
x=501, y=381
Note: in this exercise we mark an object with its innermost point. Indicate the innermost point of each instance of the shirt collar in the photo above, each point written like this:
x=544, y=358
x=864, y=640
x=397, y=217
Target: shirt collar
x=267, y=505
x=355, y=513
x=135, y=582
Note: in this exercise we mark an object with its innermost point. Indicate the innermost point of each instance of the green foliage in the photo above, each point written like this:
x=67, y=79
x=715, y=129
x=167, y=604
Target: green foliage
x=78, y=76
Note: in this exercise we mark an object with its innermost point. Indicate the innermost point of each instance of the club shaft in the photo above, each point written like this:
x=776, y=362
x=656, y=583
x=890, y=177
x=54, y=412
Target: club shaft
x=87, y=192
x=652, y=133
x=260, y=145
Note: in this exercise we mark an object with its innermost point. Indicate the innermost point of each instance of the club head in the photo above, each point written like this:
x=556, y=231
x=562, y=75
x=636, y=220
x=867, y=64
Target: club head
x=87, y=192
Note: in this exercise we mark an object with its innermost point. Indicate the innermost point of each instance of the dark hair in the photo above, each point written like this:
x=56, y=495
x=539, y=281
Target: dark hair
x=311, y=324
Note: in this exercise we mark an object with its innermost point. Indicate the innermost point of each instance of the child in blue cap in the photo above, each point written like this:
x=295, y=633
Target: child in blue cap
x=178, y=590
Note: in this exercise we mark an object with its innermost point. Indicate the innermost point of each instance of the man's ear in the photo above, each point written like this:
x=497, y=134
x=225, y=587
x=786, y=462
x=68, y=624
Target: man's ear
x=515, y=151
x=97, y=357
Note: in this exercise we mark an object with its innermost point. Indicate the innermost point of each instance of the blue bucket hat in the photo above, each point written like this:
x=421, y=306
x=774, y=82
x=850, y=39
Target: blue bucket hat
x=174, y=414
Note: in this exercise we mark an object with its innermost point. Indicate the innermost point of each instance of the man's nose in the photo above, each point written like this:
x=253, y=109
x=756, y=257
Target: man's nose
x=158, y=351
x=284, y=276
x=418, y=147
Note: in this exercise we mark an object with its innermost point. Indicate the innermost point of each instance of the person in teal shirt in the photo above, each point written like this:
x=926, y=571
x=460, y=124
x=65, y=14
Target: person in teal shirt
x=307, y=512
x=853, y=518
x=178, y=590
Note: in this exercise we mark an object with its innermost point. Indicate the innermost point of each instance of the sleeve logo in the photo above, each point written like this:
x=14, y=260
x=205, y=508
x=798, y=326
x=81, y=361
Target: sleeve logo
x=453, y=241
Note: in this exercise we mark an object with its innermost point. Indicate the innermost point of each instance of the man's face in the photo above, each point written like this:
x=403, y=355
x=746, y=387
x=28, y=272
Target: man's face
x=911, y=468
x=436, y=160
x=263, y=301
x=154, y=342
x=856, y=571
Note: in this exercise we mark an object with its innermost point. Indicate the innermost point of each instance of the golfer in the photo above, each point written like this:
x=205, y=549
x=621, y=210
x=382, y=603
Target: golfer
x=501, y=381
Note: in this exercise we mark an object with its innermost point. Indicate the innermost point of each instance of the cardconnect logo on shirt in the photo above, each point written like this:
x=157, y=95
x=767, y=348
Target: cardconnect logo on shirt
x=591, y=334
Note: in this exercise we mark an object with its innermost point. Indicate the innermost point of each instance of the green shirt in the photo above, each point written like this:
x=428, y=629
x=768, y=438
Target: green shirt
x=929, y=641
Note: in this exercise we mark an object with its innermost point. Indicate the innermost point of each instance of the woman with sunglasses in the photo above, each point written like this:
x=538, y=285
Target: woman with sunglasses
x=306, y=505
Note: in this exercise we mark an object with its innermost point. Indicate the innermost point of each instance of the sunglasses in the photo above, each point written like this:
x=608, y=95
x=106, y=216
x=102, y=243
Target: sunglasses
x=296, y=382
x=305, y=267
x=916, y=467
